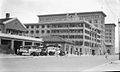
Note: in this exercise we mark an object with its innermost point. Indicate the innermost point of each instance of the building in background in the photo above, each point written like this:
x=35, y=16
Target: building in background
x=110, y=38
x=86, y=30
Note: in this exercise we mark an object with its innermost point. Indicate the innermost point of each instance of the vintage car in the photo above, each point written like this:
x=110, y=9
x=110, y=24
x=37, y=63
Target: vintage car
x=29, y=50
x=43, y=52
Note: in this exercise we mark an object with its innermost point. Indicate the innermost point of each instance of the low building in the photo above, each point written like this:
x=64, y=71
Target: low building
x=13, y=34
x=110, y=38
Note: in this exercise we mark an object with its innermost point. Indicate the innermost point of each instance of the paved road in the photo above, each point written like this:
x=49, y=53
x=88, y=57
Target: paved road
x=32, y=64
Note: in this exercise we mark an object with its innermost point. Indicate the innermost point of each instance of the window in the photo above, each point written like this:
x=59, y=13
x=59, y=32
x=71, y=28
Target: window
x=48, y=26
x=32, y=26
x=37, y=26
x=78, y=43
x=95, y=21
x=27, y=26
x=90, y=21
x=37, y=37
x=42, y=31
x=37, y=31
x=27, y=31
x=32, y=31
x=43, y=26
x=48, y=31
x=110, y=41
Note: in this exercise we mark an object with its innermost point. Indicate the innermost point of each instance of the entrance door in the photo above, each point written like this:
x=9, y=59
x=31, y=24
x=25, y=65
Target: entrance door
x=17, y=45
x=93, y=52
x=71, y=50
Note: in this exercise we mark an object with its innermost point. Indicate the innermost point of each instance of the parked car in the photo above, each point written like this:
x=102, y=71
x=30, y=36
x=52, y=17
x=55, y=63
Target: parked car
x=43, y=52
x=51, y=51
x=62, y=53
x=24, y=50
x=35, y=50
x=29, y=50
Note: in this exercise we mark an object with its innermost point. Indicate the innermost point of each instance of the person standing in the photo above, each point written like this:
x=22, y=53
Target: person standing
x=106, y=55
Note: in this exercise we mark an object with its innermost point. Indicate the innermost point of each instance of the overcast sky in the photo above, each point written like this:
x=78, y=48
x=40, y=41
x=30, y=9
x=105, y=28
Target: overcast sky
x=27, y=10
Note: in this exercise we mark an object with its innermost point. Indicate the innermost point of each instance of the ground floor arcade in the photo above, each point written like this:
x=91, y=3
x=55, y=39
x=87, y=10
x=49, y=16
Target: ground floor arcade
x=14, y=42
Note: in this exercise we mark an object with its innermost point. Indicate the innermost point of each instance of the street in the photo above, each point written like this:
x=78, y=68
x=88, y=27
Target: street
x=67, y=63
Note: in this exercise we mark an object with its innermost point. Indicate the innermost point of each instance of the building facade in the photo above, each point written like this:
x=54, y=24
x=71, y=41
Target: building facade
x=86, y=30
x=110, y=38
x=13, y=35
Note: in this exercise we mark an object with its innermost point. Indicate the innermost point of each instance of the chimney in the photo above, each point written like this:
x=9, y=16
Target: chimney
x=7, y=15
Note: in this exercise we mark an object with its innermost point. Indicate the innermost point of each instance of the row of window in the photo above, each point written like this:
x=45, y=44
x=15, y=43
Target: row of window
x=67, y=25
x=91, y=44
x=72, y=36
x=67, y=31
x=37, y=31
x=108, y=30
x=60, y=25
x=67, y=17
x=108, y=41
x=36, y=26
x=108, y=33
x=108, y=37
x=93, y=21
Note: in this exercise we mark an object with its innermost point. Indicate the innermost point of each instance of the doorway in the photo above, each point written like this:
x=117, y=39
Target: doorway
x=93, y=52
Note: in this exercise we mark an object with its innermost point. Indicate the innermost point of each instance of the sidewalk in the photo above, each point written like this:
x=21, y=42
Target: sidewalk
x=111, y=66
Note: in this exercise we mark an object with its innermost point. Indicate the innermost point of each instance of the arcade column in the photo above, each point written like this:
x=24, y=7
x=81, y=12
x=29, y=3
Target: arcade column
x=12, y=45
x=33, y=44
x=23, y=43
x=0, y=41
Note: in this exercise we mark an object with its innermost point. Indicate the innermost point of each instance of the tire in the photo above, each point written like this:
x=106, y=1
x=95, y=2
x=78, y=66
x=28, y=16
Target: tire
x=51, y=53
x=20, y=53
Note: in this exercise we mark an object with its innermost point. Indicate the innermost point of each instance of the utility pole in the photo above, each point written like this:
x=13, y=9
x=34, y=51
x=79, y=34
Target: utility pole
x=119, y=36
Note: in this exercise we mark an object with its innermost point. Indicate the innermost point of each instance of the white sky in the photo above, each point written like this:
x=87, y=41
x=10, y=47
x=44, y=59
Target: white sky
x=27, y=10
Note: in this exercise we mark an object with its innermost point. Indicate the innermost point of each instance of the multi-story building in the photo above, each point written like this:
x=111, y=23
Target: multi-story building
x=85, y=30
x=110, y=38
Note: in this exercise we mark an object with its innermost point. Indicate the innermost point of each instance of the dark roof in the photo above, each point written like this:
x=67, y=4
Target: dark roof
x=111, y=24
x=4, y=19
x=74, y=13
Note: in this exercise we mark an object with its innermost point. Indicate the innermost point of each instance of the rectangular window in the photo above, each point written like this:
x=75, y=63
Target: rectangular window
x=27, y=26
x=37, y=26
x=32, y=26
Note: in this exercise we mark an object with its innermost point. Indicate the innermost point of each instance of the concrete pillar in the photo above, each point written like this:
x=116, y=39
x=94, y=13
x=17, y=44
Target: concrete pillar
x=33, y=43
x=12, y=45
x=23, y=43
x=0, y=41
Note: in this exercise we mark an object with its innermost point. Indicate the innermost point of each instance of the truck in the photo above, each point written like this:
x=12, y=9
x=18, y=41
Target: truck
x=29, y=50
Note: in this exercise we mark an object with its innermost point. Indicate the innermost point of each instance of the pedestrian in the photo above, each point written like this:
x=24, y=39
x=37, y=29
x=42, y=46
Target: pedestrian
x=106, y=55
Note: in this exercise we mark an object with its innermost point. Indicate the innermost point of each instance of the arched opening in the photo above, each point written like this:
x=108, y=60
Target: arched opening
x=108, y=51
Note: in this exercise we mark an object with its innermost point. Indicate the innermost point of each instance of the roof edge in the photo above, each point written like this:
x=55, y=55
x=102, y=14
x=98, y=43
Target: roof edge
x=73, y=13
